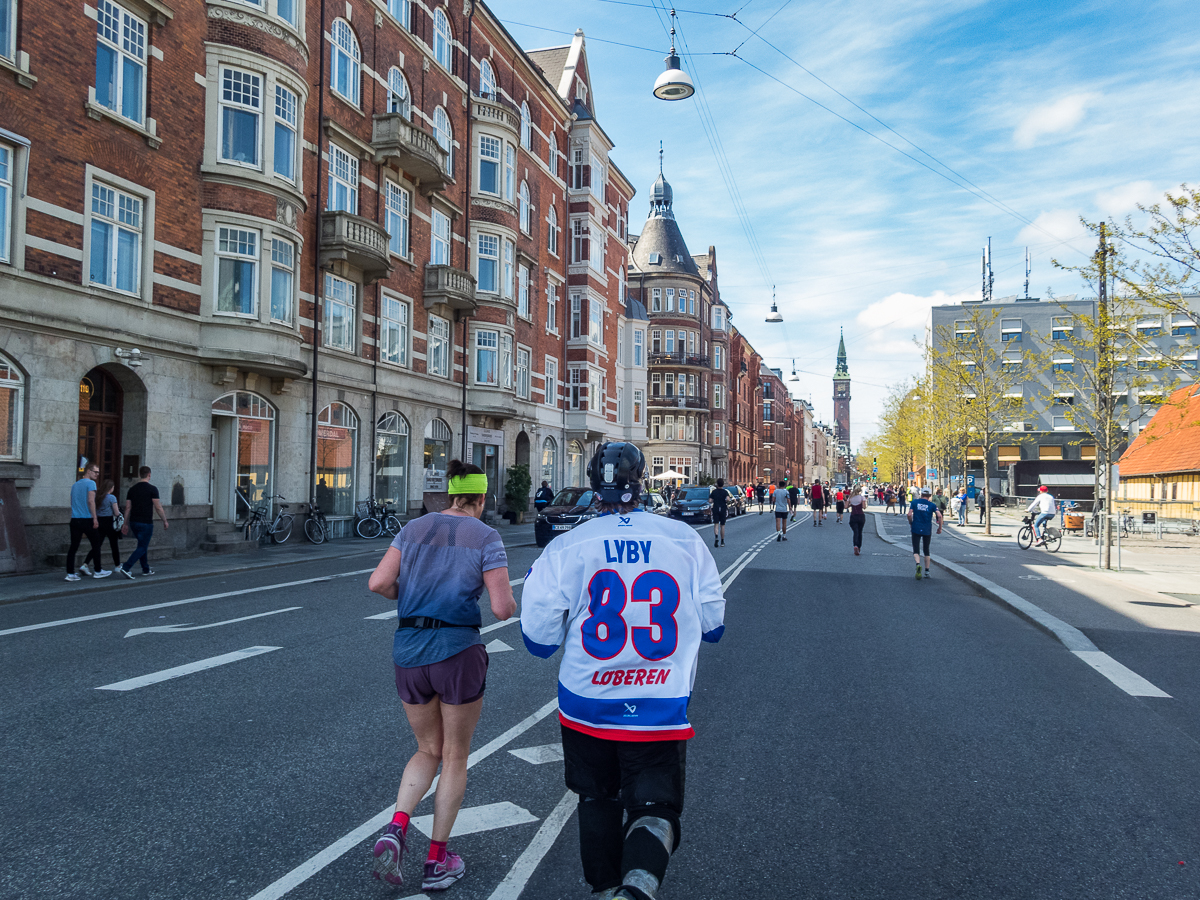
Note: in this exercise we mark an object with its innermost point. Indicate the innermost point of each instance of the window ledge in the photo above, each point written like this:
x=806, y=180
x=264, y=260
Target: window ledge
x=20, y=69
x=96, y=111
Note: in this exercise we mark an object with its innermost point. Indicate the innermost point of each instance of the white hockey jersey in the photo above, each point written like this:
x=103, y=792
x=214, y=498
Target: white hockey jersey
x=632, y=596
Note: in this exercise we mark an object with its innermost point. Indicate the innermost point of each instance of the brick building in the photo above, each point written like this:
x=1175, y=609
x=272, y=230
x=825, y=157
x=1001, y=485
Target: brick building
x=259, y=252
x=744, y=409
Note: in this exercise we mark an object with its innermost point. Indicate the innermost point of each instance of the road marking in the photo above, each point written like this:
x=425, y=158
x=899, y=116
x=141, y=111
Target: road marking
x=173, y=629
x=497, y=646
x=496, y=625
x=518, y=876
x=340, y=847
x=538, y=755
x=755, y=549
x=138, y=609
x=179, y=671
x=390, y=614
x=480, y=818
x=1126, y=679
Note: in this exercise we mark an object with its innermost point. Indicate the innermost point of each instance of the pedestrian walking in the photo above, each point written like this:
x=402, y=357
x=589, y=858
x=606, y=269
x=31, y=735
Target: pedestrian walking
x=793, y=499
x=623, y=694
x=781, y=511
x=839, y=499
x=981, y=503
x=817, y=502
x=858, y=516
x=942, y=502
x=902, y=495
x=85, y=523
x=435, y=570
x=543, y=497
x=760, y=492
x=108, y=513
x=889, y=497
x=962, y=507
x=921, y=514
x=141, y=503
x=719, y=498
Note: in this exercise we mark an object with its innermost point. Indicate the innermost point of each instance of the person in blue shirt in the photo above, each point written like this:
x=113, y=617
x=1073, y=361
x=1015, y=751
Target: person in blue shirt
x=921, y=515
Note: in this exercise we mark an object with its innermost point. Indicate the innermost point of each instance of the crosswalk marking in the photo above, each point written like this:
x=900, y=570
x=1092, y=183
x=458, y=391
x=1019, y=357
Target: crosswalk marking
x=480, y=818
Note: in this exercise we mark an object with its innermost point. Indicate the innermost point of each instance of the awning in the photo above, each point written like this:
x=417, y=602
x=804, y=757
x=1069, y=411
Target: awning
x=1067, y=480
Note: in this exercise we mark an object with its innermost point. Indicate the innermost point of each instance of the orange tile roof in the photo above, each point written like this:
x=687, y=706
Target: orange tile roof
x=1171, y=442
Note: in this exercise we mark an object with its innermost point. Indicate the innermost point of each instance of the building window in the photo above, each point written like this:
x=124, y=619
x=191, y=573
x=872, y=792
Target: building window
x=391, y=460
x=656, y=300
x=486, y=350
x=577, y=390
x=1063, y=366
x=621, y=295
x=507, y=285
x=552, y=308
x=718, y=396
x=489, y=164
x=576, y=316
x=597, y=178
x=285, y=133
x=620, y=405
x=120, y=61
x=1183, y=326
x=286, y=9
x=340, y=302
x=639, y=340
x=444, y=136
x=344, y=66
x=669, y=382
x=343, y=180
x=964, y=332
x=596, y=254
x=670, y=307
x=400, y=11
x=1149, y=328
x=668, y=428
x=8, y=29
x=487, y=262
x=578, y=241
x=595, y=392
x=1061, y=328
x=1061, y=423
x=655, y=384
x=116, y=251
x=397, y=219
x=718, y=435
x=549, y=459
x=669, y=346
x=506, y=360
x=578, y=173
x=11, y=405
x=487, y=81
x=718, y=357
x=399, y=98
x=241, y=111
x=523, y=291
x=437, y=360
x=718, y=317
x=552, y=154
x=522, y=373
x=237, y=275
x=656, y=435
x=620, y=347
x=6, y=195
x=524, y=207
x=393, y=331
x=1010, y=331
x=595, y=322
x=656, y=341
x=526, y=127
x=443, y=39
x=552, y=232
x=691, y=303
x=639, y=403
x=551, y=382
x=283, y=268
x=510, y=172
x=439, y=251
x=337, y=450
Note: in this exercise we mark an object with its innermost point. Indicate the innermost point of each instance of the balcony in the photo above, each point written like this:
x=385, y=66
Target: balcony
x=401, y=144
x=492, y=113
x=348, y=240
x=451, y=287
x=680, y=402
x=680, y=359
x=719, y=453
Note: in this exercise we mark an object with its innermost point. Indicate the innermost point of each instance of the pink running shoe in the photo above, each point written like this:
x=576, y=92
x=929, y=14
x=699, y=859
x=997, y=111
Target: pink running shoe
x=389, y=854
x=440, y=875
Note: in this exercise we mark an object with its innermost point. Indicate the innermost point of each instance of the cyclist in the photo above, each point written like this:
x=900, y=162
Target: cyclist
x=623, y=694
x=719, y=498
x=921, y=514
x=1044, y=503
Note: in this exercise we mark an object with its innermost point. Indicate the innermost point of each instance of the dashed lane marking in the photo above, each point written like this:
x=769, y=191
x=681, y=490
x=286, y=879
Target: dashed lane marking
x=474, y=819
x=179, y=671
x=187, y=626
x=518, y=876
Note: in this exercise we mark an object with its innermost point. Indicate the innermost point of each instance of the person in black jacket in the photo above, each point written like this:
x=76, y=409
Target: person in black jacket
x=543, y=497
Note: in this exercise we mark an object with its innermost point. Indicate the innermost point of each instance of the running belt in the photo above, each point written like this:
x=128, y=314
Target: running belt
x=426, y=622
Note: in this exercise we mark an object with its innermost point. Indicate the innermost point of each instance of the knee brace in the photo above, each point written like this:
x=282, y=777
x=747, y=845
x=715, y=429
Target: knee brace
x=649, y=841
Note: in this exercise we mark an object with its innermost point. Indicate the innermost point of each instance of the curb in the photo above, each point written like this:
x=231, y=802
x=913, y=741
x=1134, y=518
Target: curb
x=1067, y=635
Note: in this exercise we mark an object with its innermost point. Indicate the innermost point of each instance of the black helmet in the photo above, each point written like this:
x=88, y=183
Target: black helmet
x=616, y=472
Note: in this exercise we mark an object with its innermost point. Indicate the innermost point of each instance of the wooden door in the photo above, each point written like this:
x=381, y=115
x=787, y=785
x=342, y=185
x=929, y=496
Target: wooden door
x=100, y=404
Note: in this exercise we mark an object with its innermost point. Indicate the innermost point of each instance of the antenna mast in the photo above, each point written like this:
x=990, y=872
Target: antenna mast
x=1027, y=270
x=991, y=278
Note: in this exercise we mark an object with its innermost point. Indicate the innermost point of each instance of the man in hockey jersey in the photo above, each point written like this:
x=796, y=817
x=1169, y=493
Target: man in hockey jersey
x=632, y=596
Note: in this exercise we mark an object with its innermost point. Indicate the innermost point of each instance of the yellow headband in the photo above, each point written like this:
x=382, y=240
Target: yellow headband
x=469, y=484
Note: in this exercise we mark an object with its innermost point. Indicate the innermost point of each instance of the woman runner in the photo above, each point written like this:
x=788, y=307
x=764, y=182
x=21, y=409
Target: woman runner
x=436, y=568
x=858, y=516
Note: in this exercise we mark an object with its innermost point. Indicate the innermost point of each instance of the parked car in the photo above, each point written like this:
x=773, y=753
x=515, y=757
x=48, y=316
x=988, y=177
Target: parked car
x=737, y=499
x=570, y=507
x=653, y=502
x=692, y=503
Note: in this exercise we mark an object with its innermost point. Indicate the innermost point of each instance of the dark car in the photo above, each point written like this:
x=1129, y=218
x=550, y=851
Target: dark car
x=692, y=503
x=737, y=500
x=653, y=502
x=570, y=507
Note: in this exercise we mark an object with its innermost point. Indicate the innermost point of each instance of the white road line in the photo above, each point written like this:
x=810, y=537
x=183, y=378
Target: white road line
x=518, y=876
x=173, y=629
x=537, y=755
x=475, y=819
x=757, y=549
x=138, y=609
x=496, y=625
x=339, y=848
x=1126, y=679
x=497, y=646
x=390, y=614
x=179, y=671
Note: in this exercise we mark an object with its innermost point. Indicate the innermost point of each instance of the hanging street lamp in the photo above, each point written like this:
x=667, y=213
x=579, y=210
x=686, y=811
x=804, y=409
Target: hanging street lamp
x=674, y=83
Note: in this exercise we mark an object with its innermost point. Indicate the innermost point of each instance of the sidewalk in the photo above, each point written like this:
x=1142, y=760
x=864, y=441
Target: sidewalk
x=46, y=584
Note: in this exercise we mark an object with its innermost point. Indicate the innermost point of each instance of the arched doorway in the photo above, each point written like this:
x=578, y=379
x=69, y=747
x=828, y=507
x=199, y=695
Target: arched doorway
x=337, y=454
x=391, y=460
x=522, y=449
x=436, y=455
x=576, y=465
x=550, y=461
x=101, y=405
x=243, y=454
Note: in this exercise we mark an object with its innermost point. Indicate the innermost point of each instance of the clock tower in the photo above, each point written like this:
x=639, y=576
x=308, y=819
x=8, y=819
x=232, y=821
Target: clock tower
x=841, y=399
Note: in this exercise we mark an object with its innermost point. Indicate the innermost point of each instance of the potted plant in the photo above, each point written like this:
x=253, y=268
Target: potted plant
x=516, y=491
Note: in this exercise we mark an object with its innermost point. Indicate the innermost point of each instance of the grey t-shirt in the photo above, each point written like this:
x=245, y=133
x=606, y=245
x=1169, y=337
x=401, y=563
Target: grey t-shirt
x=442, y=561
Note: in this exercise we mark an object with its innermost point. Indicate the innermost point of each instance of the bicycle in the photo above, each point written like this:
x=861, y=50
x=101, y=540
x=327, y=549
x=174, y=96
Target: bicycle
x=375, y=516
x=279, y=529
x=1052, y=536
x=316, y=529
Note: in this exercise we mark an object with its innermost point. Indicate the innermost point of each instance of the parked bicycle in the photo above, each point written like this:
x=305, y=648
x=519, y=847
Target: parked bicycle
x=258, y=525
x=1051, y=536
x=374, y=517
x=316, y=529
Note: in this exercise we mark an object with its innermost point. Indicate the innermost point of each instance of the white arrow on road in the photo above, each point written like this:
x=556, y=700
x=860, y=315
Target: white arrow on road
x=183, y=626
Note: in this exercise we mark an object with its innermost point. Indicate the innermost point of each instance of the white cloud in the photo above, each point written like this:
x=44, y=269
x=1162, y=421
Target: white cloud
x=1052, y=118
x=1061, y=224
x=1122, y=200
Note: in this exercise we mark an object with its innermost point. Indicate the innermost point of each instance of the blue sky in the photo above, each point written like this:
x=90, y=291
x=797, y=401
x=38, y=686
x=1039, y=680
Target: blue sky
x=1056, y=110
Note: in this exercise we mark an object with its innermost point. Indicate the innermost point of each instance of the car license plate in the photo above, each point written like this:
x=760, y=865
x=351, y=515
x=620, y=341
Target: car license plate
x=560, y=527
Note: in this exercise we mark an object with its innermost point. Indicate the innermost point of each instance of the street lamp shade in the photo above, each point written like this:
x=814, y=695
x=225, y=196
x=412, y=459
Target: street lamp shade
x=774, y=315
x=674, y=83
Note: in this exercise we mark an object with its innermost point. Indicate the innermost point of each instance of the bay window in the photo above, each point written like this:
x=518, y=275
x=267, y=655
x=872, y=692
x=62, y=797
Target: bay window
x=283, y=254
x=506, y=360
x=595, y=322
x=576, y=316
x=507, y=285
x=6, y=195
x=486, y=352
x=241, y=113
x=237, y=271
x=552, y=308
x=523, y=291
x=489, y=164
x=487, y=253
x=522, y=373
x=639, y=339
x=285, y=133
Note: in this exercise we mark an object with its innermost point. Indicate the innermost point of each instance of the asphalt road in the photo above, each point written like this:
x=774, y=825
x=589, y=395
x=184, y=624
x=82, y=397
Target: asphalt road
x=859, y=735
